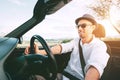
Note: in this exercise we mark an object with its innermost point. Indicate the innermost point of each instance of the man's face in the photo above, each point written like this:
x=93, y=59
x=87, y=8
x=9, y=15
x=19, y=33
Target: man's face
x=85, y=28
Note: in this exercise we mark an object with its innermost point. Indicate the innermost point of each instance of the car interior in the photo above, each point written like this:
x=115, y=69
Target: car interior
x=33, y=64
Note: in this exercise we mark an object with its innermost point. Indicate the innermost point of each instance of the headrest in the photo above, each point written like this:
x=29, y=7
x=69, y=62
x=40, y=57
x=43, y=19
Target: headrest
x=99, y=31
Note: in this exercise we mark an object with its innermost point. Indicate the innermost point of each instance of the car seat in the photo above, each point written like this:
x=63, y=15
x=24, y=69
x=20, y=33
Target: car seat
x=100, y=33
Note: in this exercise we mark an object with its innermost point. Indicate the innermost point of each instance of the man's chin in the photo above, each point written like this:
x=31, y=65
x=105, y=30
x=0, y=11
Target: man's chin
x=81, y=36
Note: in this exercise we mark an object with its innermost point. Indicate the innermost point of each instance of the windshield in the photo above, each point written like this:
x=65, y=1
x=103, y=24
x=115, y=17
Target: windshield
x=57, y=25
x=14, y=13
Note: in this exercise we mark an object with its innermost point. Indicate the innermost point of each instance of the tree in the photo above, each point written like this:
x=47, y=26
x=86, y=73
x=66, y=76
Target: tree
x=102, y=9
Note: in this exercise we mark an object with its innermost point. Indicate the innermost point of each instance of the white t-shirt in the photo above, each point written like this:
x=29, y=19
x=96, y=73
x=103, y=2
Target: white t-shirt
x=95, y=54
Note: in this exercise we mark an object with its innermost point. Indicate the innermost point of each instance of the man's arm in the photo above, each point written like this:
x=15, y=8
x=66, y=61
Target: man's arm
x=92, y=74
x=55, y=50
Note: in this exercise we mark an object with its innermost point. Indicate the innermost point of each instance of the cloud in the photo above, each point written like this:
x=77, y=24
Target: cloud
x=17, y=2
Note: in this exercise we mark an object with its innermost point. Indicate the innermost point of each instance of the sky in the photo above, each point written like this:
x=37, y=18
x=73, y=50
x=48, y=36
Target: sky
x=61, y=24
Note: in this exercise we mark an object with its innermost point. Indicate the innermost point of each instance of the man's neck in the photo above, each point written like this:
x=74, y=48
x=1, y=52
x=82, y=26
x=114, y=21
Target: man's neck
x=87, y=39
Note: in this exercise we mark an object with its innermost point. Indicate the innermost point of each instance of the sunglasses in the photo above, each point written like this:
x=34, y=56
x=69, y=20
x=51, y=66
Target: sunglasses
x=83, y=25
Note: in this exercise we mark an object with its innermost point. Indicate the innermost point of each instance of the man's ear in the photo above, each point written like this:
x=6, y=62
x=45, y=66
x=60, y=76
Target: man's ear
x=94, y=27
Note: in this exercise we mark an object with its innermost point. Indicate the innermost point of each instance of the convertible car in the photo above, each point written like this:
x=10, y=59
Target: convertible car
x=15, y=65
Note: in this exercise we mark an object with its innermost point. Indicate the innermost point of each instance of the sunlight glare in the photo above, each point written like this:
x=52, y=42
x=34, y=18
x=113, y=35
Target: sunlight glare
x=115, y=16
x=110, y=31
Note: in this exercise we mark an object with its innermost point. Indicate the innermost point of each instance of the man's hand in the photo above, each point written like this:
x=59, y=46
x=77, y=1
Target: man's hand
x=27, y=50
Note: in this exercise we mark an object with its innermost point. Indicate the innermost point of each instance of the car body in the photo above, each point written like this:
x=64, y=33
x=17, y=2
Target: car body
x=15, y=65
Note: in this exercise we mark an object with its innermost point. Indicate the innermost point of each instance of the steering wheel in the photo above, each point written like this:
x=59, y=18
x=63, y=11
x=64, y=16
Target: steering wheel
x=50, y=59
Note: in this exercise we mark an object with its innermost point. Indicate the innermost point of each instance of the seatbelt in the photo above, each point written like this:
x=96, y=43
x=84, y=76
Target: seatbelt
x=70, y=76
x=81, y=58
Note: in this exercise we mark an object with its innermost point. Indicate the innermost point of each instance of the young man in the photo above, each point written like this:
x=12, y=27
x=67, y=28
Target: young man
x=94, y=51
